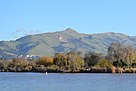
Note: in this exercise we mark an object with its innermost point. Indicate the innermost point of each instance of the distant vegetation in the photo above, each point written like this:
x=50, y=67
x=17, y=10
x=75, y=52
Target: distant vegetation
x=120, y=58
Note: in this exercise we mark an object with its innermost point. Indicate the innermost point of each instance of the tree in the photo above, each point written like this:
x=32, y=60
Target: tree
x=19, y=64
x=104, y=63
x=119, y=63
x=60, y=59
x=121, y=55
x=115, y=52
x=75, y=61
x=130, y=55
x=46, y=61
x=92, y=58
x=4, y=65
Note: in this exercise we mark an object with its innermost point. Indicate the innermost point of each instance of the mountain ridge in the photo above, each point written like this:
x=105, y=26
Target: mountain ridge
x=62, y=41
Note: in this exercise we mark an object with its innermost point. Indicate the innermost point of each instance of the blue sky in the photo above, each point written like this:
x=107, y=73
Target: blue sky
x=22, y=17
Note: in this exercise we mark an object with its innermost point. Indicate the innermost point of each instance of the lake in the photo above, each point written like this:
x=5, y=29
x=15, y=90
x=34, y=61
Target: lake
x=67, y=82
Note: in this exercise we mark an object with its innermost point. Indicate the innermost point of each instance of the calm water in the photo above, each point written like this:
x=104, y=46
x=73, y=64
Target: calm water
x=67, y=82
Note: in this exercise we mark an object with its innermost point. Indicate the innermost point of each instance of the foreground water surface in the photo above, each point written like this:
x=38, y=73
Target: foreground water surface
x=67, y=82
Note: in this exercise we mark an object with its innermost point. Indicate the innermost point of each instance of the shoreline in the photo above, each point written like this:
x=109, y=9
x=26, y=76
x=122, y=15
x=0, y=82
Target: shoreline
x=91, y=72
x=72, y=72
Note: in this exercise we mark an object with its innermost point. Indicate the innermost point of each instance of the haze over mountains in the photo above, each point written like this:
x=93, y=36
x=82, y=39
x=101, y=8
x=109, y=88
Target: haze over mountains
x=62, y=41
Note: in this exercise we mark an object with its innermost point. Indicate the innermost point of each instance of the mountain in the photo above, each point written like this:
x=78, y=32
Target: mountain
x=62, y=41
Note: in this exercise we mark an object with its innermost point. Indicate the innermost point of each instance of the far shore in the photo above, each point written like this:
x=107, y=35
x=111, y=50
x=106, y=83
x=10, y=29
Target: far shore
x=93, y=70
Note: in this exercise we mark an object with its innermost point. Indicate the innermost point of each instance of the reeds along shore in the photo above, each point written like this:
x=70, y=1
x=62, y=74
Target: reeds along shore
x=112, y=70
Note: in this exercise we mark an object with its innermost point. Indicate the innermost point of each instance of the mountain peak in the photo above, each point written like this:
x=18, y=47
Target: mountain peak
x=70, y=30
x=47, y=44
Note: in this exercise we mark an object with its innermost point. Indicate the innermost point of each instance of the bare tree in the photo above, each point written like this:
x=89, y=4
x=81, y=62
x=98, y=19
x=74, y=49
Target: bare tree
x=121, y=54
x=92, y=58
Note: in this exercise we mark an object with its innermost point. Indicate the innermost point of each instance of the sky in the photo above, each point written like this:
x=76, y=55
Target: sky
x=19, y=18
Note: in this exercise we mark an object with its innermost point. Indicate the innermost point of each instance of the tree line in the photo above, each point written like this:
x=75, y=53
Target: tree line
x=119, y=58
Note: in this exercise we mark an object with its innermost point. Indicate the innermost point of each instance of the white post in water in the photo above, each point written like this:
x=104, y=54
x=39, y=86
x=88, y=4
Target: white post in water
x=46, y=73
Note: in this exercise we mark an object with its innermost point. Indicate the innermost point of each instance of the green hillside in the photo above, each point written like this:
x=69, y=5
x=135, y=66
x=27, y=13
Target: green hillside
x=62, y=41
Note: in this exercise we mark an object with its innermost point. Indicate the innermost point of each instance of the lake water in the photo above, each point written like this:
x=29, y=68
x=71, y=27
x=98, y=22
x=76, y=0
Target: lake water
x=67, y=82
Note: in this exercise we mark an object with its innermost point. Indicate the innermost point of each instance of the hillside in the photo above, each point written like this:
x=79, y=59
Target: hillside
x=62, y=41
